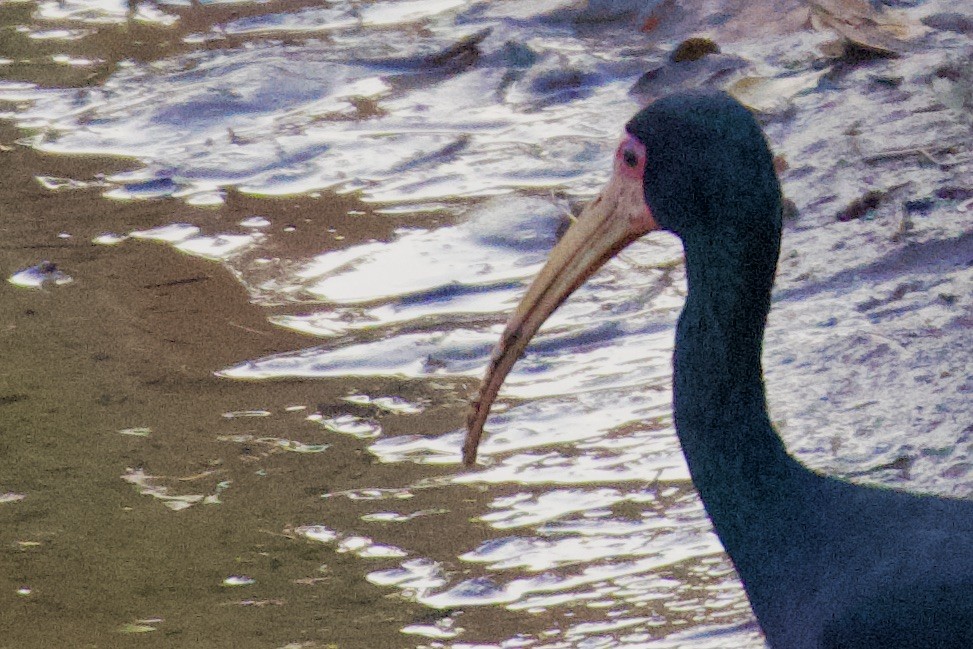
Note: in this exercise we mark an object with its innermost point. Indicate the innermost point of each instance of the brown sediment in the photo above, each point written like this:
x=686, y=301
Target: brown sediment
x=134, y=342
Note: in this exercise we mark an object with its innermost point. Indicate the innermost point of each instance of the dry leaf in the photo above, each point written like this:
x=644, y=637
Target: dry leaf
x=768, y=94
x=858, y=22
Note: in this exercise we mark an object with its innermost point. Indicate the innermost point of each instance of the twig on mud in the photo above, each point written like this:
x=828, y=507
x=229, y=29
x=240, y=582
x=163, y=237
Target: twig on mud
x=925, y=152
x=248, y=329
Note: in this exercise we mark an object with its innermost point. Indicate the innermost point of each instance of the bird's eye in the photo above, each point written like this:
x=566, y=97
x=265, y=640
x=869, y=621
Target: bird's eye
x=630, y=158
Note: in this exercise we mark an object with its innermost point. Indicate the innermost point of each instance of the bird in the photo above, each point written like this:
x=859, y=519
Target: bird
x=825, y=563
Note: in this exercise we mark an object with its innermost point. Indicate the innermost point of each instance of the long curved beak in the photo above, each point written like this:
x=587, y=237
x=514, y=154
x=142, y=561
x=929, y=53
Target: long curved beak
x=615, y=218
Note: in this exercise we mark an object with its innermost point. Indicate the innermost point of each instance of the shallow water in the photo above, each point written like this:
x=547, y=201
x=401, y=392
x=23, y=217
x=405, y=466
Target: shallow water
x=270, y=312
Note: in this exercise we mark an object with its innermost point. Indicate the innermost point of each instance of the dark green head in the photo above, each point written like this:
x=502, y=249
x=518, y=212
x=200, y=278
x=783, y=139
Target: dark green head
x=708, y=167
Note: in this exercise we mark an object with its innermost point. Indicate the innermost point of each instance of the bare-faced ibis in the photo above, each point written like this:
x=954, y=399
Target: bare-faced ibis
x=824, y=562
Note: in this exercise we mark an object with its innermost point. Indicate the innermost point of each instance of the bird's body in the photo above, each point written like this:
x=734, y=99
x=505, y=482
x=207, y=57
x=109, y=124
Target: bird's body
x=826, y=564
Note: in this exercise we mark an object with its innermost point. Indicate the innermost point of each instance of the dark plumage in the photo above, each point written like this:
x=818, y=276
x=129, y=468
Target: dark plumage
x=826, y=564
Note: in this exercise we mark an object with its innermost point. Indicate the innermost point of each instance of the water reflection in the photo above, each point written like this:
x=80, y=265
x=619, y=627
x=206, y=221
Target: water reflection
x=42, y=275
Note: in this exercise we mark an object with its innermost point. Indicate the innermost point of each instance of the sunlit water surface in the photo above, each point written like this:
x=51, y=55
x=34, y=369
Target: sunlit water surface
x=474, y=129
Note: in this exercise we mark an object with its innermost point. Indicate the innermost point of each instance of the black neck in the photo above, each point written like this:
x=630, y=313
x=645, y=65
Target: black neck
x=737, y=461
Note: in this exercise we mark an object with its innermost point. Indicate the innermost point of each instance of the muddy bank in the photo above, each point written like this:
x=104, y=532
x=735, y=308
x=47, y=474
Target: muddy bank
x=133, y=342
